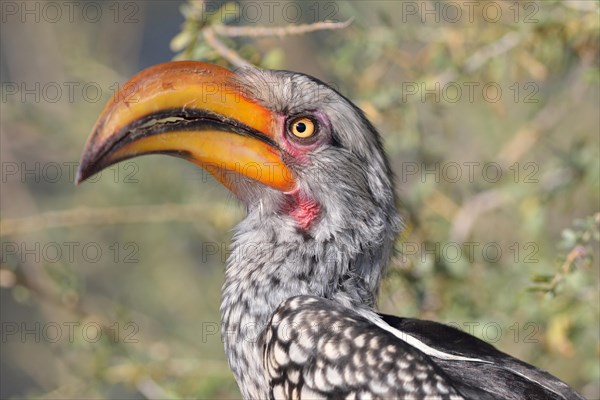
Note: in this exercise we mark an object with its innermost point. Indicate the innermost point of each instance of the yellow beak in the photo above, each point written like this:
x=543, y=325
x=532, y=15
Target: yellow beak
x=192, y=110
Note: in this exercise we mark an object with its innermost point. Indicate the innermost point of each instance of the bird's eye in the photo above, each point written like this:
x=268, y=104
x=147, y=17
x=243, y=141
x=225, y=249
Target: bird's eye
x=302, y=127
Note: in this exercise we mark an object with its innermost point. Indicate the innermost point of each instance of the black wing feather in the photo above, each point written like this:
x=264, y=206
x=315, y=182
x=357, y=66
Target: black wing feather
x=506, y=378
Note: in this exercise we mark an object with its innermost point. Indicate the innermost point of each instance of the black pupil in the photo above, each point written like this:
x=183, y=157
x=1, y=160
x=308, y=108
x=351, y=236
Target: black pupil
x=301, y=127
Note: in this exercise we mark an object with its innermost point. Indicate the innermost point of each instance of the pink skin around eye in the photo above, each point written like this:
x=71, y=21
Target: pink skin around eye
x=297, y=150
x=302, y=207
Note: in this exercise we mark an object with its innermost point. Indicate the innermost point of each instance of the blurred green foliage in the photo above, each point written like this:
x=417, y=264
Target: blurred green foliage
x=511, y=258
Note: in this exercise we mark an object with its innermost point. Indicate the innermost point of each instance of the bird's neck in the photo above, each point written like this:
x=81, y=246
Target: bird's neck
x=272, y=260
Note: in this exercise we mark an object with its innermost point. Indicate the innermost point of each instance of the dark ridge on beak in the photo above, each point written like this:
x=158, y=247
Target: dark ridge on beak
x=184, y=120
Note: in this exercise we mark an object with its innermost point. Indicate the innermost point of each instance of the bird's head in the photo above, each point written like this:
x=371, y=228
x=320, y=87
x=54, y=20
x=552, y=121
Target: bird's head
x=291, y=148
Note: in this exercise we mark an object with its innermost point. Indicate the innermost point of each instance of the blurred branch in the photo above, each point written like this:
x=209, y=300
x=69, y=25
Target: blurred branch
x=479, y=58
x=547, y=118
x=106, y=216
x=280, y=31
x=471, y=64
x=211, y=34
x=578, y=252
x=150, y=389
x=472, y=209
x=42, y=290
x=492, y=50
x=226, y=52
x=578, y=242
x=519, y=145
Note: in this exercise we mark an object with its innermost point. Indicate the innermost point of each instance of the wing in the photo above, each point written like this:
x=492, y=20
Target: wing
x=315, y=348
x=502, y=376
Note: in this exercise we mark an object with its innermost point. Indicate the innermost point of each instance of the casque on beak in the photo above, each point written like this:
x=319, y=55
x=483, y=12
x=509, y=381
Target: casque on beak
x=192, y=110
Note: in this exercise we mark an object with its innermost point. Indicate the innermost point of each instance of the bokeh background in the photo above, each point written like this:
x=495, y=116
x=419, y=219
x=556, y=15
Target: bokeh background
x=489, y=113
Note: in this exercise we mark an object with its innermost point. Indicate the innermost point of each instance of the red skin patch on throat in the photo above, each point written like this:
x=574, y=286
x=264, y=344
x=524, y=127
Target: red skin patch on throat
x=304, y=210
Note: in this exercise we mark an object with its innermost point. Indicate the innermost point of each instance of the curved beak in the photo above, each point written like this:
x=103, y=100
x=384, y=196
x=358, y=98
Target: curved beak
x=195, y=111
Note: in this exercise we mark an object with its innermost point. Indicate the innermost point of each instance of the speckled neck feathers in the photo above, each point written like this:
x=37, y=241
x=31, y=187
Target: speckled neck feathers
x=340, y=255
x=273, y=260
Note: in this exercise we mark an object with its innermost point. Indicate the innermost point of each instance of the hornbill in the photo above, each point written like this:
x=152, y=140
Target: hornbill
x=301, y=281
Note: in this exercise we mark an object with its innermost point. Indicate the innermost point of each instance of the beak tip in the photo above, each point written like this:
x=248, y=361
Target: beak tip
x=78, y=178
x=90, y=163
x=85, y=170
